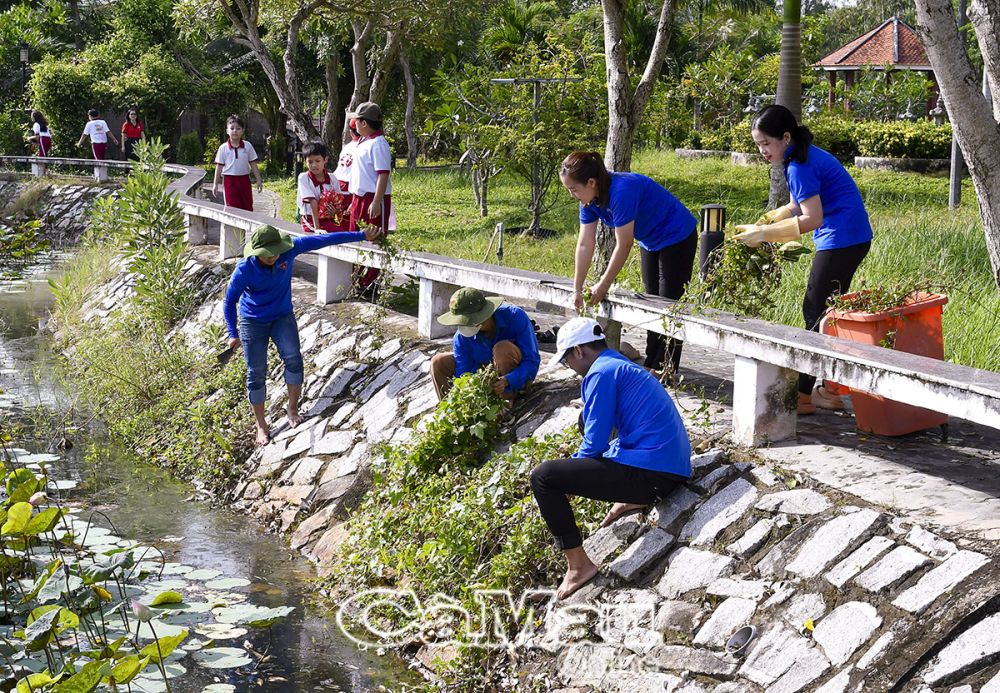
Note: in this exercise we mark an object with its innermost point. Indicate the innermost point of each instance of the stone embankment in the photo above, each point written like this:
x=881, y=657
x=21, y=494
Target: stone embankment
x=845, y=596
x=61, y=207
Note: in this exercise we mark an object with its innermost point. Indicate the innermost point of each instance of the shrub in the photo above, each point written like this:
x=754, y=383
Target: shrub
x=12, y=131
x=276, y=149
x=835, y=135
x=189, y=149
x=62, y=91
x=902, y=139
x=212, y=144
x=740, y=138
x=716, y=138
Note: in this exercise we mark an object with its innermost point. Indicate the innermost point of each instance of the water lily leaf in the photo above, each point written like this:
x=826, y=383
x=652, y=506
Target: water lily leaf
x=102, y=593
x=168, y=597
x=37, y=458
x=128, y=668
x=220, y=631
x=163, y=646
x=219, y=688
x=34, y=682
x=164, y=585
x=63, y=484
x=40, y=581
x=65, y=618
x=227, y=583
x=222, y=658
x=176, y=569
x=21, y=477
x=38, y=633
x=18, y=516
x=162, y=628
x=147, y=684
x=86, y=679
x=54, y=588
x=203, y=574
x=44, y=521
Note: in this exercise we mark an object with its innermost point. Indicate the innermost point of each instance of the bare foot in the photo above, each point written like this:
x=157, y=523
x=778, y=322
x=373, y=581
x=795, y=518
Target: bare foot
x=576, y=578
x=294, y=418
x=263, y=436
x=619, y=509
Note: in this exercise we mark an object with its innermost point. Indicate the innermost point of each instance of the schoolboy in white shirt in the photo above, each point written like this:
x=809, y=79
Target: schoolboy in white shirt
x=233, y=161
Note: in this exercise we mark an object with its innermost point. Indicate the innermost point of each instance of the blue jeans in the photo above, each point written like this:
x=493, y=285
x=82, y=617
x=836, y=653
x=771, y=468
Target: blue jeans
x=284, y=332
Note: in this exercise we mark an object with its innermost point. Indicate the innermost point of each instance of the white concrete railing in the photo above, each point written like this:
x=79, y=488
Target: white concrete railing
x=768, y=356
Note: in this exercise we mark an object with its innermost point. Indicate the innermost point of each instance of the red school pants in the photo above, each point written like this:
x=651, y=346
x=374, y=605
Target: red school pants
x=99, y=148
x=237, y=192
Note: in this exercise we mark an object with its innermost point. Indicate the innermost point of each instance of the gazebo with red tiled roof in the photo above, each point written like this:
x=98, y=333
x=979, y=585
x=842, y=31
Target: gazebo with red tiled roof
x=893, y=43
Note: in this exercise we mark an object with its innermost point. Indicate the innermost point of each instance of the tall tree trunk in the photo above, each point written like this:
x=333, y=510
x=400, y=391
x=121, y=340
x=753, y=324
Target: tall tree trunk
x=625, y=107
x=390, y=53
x=985, y=16
x=359, y=65
x=971, y=114
x=411, y=98
x=789, y=92
x=333, y=115
x=74, y=13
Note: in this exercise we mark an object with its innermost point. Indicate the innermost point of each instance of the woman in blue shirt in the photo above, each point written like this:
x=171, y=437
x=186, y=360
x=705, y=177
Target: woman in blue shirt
x=261, y=285
x=642, y=211
x=826, y=201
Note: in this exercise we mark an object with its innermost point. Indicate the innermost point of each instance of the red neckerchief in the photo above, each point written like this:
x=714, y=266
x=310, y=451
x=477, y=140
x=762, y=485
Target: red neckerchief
x=319, y=183
x=377, y=133
x=237, y=149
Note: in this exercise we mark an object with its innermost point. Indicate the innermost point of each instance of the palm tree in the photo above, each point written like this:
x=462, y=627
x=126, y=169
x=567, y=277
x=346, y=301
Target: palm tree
x=516, y=24
x=789, y=92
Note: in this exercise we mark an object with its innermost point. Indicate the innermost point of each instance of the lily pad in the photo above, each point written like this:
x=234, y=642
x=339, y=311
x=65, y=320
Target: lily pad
x=220, y=631
x=166, y=598
x=176, y=569
x=37, y=458
x=227, y=583
x=163, y=629
x=252, y=615
x=63, y=484
x=203, y=574
x=219, y=688
x=222, y=658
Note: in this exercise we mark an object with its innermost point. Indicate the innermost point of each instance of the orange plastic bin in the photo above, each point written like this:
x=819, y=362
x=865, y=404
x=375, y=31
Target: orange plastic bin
x=917, y=327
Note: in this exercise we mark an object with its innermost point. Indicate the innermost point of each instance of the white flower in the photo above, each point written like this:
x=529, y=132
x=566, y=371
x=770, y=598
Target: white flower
x=37, y=499
x=141, y=611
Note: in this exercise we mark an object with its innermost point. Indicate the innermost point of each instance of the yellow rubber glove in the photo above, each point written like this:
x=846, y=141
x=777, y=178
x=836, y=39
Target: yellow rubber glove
x=753, y=235
x=783, y=212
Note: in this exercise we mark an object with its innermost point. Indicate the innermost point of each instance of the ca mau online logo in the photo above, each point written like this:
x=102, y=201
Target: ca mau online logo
x=384, y=617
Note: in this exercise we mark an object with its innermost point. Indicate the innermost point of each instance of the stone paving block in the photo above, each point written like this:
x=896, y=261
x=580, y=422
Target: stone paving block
x=379, y=415
x=847, y=628
x=804, y=671
x=680, y=500
x=940, y=580
x=974, y=648
x=802, y=607
x=877, y=649
x=706, y=459
x=961, y=689
x=795, y=502
x=747, y=589
x=344, y=411
x=733, y=687
x=773, y=654
x=690, y=569
x=718, y=512
x=586, y=664
x=991, y=686
x=714, y=479
x=752, y=539
x=559, y=420
x=604, y=542
x=304, y=471
x=838, y=684
x=643, y=552
x=765, y=476
x=689, y=659
x=931, y=544
x=312, y=525
x=676, y=615
x=774, y=561
x=727, y=617
x=334, y=443
x=831, y=540
x=857, y=561
x=624, y=681
x=892, y=568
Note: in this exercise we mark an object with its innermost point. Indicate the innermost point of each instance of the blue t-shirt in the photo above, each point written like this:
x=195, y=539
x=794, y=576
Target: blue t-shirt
x=660, y=218
x=845, y=219
x=513, y=324
x=265, y=293
x=617, y=394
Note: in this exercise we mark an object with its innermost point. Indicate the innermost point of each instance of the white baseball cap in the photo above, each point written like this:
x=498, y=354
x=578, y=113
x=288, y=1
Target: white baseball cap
x=574, y=333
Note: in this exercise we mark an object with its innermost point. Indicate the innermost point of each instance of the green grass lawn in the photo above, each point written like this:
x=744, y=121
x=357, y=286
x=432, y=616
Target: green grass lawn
x=916, y=236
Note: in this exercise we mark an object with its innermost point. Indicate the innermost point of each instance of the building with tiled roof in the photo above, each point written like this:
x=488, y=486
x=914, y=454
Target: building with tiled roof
x=893, y=43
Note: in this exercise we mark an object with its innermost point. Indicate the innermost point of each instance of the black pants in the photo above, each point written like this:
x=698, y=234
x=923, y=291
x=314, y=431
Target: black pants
x=666, y=273
x=128, y=144
x=831, y=273
x=600, y=479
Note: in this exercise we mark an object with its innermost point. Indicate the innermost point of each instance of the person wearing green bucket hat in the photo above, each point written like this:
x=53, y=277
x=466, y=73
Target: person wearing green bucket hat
x=261, y=286
x=488, y=331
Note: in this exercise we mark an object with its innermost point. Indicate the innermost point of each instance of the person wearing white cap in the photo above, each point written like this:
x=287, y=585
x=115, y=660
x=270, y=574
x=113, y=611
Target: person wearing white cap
x=650, y=455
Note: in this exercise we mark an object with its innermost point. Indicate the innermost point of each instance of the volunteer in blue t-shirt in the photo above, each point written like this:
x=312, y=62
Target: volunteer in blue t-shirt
x=650, y=455
x=826, y=201
x=261, y=285
x=487, y=330
x=642, y=211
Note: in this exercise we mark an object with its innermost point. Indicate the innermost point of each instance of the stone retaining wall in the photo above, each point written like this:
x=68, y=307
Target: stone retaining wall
x=61, y=207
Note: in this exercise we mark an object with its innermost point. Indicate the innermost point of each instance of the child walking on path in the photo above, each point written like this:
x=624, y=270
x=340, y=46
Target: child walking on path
x=369, y=182
x=322, y=206
x=261, y=285
x=132, y=133
x=41, y=135
x=98, y=131
x=233, y=161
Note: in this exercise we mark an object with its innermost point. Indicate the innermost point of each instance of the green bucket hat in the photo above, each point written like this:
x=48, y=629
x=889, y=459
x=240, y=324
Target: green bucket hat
x=469, y=306
x=267, y=241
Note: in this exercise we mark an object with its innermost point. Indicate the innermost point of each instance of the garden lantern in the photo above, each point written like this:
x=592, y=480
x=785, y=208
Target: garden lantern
x=24, y=63
x=713, y=225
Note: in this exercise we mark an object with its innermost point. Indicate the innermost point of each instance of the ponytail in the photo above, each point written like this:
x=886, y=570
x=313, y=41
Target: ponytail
x=774, y=121
x=580, y=167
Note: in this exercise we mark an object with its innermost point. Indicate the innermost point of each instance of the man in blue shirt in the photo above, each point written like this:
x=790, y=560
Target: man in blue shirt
x=489, y=331
x=649, y=457
x=261, y=285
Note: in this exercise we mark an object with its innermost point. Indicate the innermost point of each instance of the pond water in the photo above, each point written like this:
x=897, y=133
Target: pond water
x=212, y=556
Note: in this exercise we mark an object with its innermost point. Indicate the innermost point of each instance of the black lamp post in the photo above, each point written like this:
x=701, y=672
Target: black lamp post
x=24, y=64
x=713, y=225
